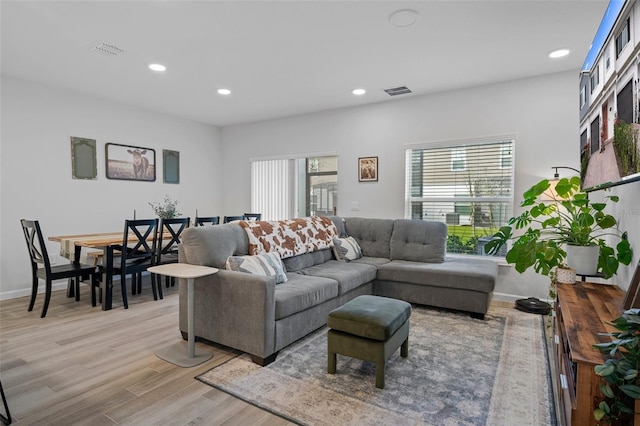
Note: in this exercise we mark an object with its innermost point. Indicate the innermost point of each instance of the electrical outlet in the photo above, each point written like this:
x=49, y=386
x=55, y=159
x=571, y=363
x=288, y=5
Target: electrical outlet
x=355, y=206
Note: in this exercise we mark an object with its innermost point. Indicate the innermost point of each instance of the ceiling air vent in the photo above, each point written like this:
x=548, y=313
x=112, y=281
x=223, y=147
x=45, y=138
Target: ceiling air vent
x=401, y=90
x=106, y=49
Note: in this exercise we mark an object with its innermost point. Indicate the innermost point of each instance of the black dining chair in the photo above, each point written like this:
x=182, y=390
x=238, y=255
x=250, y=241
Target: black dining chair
x=169, y=233
x=41, y=267
x=252, y=216
x=201, y=221
x=136, y=254
x=228, y=219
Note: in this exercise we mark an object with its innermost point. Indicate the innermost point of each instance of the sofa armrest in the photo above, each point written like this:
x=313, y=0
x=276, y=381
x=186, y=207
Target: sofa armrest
x=235, y=309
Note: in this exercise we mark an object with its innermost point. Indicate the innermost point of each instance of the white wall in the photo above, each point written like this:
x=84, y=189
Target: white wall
x=36, y=182
x=37, y=122
x=542, y=112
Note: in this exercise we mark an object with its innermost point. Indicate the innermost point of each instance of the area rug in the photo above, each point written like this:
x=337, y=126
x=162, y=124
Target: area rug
x=460, y=371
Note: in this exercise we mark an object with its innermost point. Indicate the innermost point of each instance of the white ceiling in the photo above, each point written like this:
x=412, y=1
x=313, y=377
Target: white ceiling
x=283, y=58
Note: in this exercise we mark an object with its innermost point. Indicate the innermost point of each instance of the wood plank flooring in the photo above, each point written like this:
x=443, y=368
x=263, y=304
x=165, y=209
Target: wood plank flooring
x=81, y=365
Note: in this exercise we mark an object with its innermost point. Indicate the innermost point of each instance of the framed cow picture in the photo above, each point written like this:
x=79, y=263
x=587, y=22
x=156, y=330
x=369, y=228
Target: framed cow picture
x=126, y=162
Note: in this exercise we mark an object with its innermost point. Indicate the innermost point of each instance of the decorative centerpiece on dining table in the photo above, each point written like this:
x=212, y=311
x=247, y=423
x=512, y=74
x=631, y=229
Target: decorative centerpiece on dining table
x=166, y=209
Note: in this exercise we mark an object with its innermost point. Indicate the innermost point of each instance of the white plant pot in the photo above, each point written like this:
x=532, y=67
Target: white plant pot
x=566, y=276
x=584, y=259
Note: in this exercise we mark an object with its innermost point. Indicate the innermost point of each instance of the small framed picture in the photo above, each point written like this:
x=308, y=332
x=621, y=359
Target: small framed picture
x=83, y=158
x=368, y=169
x=130, y=162
x=171, y=166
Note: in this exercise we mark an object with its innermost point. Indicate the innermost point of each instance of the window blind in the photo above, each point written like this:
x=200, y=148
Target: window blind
x=272, y=188
x=468, y=186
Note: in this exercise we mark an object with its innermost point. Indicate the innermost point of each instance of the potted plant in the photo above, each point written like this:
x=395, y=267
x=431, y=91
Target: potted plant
x=621, y=388
x=565, y=274
x=167, y=209
x=568, y=219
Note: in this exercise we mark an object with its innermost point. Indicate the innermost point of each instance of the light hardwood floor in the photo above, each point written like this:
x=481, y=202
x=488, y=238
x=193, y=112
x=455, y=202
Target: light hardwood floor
x=81, y=365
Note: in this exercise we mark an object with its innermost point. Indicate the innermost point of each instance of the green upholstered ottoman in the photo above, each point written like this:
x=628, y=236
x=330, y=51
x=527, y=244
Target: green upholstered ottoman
x=370, y=328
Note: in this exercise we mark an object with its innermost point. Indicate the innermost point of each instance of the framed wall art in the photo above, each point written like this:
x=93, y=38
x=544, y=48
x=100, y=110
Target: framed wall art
x=368, y=169
x=83, y=158
x=126, y=162
x=170, y=166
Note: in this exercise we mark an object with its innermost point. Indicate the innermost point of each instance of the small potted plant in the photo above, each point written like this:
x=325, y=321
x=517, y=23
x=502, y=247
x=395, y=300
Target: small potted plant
x=568, y=219
x=565, y=274
x=621, y=387
x=167, y=209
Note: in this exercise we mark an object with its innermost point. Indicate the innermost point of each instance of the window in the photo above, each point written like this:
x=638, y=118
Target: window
x=322, y=186
x=294, y=187
x=583, y=96
x=622, y=38
x=595, y=78
x=458, y=159
x=506, y=157
x=473, y=201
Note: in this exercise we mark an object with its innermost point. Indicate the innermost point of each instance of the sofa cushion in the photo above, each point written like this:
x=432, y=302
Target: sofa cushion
x=301, y=261
x=338, y=221
x=418, y=241
x=346, y=249
x=373, y=235
x=267, y=264
x=375, y=261
x=303, y=292
x=461, y=273
x=212, y=245
x=349, y=275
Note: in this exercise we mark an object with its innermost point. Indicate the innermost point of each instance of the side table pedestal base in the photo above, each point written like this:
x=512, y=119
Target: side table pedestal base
x=177, y=354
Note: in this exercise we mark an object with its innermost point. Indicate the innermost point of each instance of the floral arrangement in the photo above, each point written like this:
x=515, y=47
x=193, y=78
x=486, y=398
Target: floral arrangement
x=166, y=209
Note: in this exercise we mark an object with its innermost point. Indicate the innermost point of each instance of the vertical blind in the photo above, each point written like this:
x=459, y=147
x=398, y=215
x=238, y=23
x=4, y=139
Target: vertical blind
x=272, y=188
x=468, y=186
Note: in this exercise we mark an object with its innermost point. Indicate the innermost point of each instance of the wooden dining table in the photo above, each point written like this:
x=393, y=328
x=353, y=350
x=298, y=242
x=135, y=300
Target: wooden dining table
x=101, y=241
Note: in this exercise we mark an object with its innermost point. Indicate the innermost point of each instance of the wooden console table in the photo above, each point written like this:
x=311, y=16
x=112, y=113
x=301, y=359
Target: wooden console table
x=582, y=312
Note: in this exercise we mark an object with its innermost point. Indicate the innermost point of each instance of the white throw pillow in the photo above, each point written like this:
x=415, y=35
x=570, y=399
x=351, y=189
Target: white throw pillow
x=267, y=264
x=346, y=249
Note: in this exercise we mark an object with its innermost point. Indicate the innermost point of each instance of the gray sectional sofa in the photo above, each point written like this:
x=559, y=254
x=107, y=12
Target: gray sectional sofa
x=402, y=258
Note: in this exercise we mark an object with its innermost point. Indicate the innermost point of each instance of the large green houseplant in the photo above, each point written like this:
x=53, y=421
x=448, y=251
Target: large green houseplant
x=568, y=218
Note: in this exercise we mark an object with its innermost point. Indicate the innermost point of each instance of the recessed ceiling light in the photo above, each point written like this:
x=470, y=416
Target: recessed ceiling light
x=224, y=91
x=404, y=18
x=157, y=67
x=358, y=92
x=560, y=53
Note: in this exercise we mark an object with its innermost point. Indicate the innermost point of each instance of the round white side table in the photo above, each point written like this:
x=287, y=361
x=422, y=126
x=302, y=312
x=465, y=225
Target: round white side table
x=175, y=353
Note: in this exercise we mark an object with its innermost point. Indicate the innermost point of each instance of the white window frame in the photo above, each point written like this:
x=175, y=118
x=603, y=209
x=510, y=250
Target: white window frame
x=455, y=198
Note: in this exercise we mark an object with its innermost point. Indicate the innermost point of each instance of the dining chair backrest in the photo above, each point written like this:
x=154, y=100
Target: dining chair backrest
x=38, y=256
x=228, y=219
x=252, y=216
x=173, y=227
x=201, y=221
x=35, y=244
x=140, y=239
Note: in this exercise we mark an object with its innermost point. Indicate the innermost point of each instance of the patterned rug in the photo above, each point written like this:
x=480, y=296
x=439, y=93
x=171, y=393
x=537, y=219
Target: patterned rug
x=460, y=371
